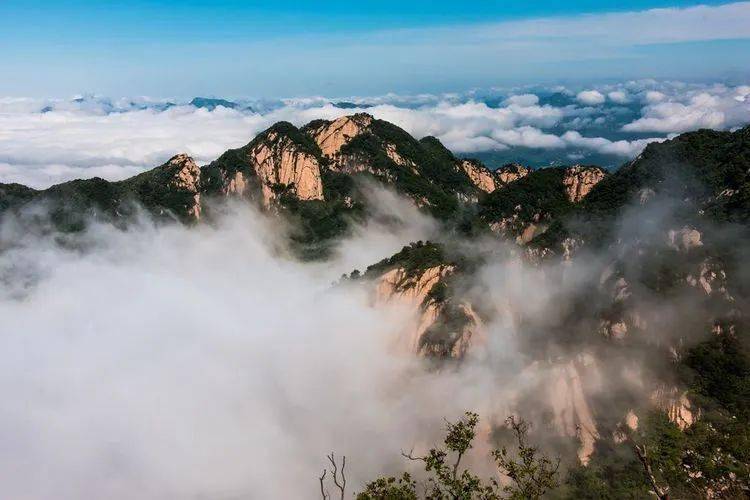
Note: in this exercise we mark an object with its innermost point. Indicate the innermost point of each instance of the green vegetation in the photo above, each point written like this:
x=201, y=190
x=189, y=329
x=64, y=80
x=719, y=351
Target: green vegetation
x=317, y=224
x=154, y=190
x=12, y=195
x=707, y=170
x=435, y=178
x=720, y=373
x=538, y=196
x=71, y=204
x=304, y=142
x=413, y=258
x=712, y=454
x=529, y=473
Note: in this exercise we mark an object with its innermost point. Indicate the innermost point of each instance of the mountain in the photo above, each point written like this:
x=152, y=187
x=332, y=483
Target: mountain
x=316, y=167
x=645, y=266
x=212, y=103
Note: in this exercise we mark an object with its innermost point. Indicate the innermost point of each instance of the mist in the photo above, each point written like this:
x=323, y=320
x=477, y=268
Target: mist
x=165, y=361
x=172, y=362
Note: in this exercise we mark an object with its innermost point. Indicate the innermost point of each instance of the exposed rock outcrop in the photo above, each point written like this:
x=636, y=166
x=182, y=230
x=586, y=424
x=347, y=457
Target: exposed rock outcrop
x=579, y=180
x=413, y=292
x=413, y=289
x=331, y=136
x=186, y=178
x=480, y=175
x=684, y=239
x=565, y=393
x=280, y=162
x=471, y=334
x=676, y=405
x=511, y=173
x=530, y=232
x=711, y=278
x=233, y=184
x=392, y=151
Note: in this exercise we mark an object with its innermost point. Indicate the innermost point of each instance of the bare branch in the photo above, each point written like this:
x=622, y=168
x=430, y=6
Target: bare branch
x=411, y=457
x=322, y=490
x=343, y=477
x=335, y=472
x=641, y=453
x=520, y=428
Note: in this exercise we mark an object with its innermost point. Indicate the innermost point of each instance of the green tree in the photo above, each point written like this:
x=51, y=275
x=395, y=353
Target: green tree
x=530, y=475
x=390, y=488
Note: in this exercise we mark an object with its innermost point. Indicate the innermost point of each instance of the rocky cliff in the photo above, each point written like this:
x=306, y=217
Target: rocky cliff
x=281, y=164
x=511, y=173
x=443, y=327
x=332, y=136
x=186, y=178
x=580, y=180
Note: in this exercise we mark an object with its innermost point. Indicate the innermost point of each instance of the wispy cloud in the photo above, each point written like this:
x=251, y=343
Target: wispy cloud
x=661, y=43
x=664, y=25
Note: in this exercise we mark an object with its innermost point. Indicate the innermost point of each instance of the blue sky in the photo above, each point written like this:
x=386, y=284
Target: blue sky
x=339, y=48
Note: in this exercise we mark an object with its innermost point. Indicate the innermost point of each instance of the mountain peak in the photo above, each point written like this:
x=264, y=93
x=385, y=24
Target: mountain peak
x=286, y=160
x=181, y=159
x=187, y=175
x=210, y=103
x=332, y=136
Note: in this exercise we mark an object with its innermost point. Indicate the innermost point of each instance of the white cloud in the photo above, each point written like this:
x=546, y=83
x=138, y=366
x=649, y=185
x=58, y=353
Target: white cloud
x=159, y=360
x=590, y=97
x=160, y=371
x=529, y=137
x=198, y=362
x=618, y=97
x=605, y=146
x=663, y=25
x=42, y=148
x=522, y=100
x=654, y=96
x=716, y=107
x=116, y=139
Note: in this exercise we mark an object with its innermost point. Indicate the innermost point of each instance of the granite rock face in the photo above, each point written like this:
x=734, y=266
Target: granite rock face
x=579, y=180
x=511, y=173
x=331, y=136
x=280, y=162
x=480, y=175
x=186, y=178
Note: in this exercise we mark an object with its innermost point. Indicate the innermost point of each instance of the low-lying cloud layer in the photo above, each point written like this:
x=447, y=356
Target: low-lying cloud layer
x=175, y=362
x=201, y=362
x=45, y=142
x=142, y=368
